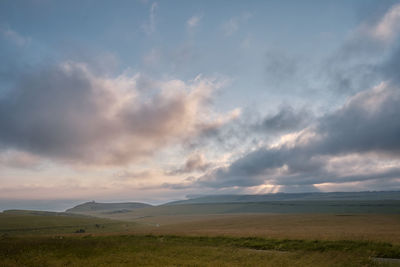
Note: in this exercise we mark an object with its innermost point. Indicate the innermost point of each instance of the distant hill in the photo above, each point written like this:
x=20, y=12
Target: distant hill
x=271, y=207
x=335, y=203
x=96, y=207
x=316, y=196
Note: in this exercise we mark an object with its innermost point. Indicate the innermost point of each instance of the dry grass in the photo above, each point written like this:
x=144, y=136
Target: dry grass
x=137, y=250
x=372, y=227
x=289, y=240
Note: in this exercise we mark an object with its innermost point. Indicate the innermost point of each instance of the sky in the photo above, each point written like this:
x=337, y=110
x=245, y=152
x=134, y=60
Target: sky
x=155, y=101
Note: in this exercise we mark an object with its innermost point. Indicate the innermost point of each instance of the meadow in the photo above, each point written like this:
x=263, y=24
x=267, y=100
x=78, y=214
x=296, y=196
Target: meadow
x=21, y=223
x=151, y=250
x=52, y=239
x=360, y=227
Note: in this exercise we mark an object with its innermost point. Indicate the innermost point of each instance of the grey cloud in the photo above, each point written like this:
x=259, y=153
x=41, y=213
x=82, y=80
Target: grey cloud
x=250, y=126
x=367, y=123
x=285, y=120
x=281, y=67
x=362, y=58
x=353, y=67
x=195, y=162
x=65, y=112
x=48, y=111
x=348, y=78
x=20, y=160
x=127, y=175
x=298, y=188
x=249, y=170
x=324, y=176
x=390, y=67
x=176, y=186
x=379, y=184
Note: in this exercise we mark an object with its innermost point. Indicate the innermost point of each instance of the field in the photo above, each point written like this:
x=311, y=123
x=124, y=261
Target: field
x=149, y=250
x=51, y=239
x=17, y=223
x=362, y=227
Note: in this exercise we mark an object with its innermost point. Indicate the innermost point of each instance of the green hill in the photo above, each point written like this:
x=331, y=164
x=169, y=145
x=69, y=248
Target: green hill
x=315, y=196
x=281, y=203
x=95, y=207
x=273, y=207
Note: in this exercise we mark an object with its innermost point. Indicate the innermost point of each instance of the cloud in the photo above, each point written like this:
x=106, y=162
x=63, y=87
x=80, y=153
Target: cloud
x=19, y=160
x=365, y=123
x=230, y=26
x=285, y=120
x=359, y=62
x=223, y=134
x=376, y=184
x=378, y=33
x=366, y=126
x=14, y=36
x=388, y=27
x=68, y=113
x=389, y=68
x=237, y=131
x=195, y=163
x=152, y=58
x=281, y=67
x=193, y=21
x=134, y=175
x=355, y=143
x=150, y=26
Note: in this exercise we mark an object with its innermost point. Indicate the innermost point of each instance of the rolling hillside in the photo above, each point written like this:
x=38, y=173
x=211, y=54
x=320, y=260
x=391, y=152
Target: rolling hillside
x=316, y=196
x=95, y=207
x=328, y=203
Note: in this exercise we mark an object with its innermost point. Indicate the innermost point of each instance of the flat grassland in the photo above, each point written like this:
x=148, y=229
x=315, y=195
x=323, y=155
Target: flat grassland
x=362, y=227
x=150, y=250
x=17, y=223
x=50, y=239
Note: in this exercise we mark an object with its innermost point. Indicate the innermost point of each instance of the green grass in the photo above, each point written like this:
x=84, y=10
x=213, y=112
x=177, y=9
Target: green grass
x=30, y=238
x=151, y=250
x=45, y=223
x=276, y=207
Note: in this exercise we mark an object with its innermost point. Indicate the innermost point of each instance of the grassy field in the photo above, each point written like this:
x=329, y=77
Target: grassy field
x=326, y=220
x=47, y=223
x=49, y=239
x=362, y=227
x=149, y=250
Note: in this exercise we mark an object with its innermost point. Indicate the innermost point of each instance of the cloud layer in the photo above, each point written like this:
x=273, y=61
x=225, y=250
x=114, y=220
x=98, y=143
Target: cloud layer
x=360, y=141
x=320, y=112
x=68, y=113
